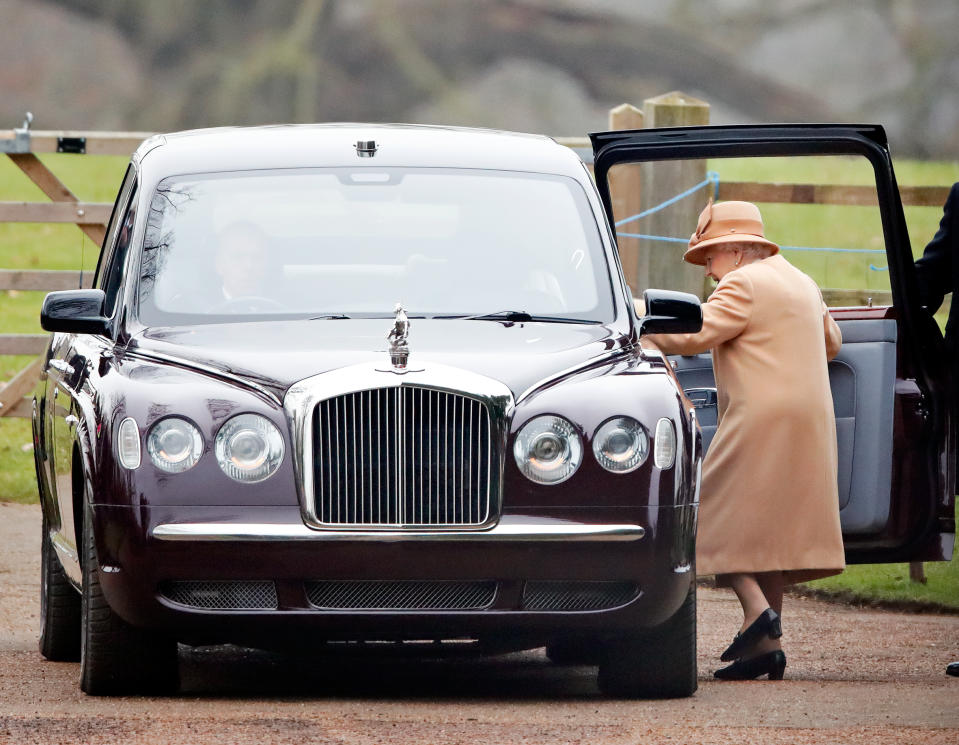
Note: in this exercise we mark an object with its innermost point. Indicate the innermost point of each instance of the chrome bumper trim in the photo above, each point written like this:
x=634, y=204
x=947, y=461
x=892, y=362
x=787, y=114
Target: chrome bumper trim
x=543, y=530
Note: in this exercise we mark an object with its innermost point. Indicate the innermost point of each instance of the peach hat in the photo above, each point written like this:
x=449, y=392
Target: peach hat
x=727, y=222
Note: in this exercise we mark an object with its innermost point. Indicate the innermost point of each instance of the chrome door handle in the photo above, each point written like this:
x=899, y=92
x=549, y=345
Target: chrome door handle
x=64, y=367
x=702, y=397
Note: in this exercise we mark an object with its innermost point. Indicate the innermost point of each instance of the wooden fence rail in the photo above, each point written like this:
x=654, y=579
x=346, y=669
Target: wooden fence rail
x=22, y=145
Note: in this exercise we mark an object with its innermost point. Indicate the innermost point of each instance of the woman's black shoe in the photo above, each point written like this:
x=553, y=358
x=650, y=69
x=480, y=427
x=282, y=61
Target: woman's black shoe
x=766, y=626
x=771, y=663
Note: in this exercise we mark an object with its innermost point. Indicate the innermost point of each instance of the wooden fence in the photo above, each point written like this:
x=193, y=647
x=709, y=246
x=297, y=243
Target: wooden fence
x=22, y=146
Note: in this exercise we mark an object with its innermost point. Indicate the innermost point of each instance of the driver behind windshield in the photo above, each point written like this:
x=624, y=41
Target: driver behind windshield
x=241, y=263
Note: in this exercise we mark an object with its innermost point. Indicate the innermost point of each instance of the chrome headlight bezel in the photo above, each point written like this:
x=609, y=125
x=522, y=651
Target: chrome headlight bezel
x=609, y=438
x=249, y=448
x=174, y=444
x=544, y=436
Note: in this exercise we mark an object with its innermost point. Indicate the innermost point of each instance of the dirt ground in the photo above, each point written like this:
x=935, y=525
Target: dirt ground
x=854, y=676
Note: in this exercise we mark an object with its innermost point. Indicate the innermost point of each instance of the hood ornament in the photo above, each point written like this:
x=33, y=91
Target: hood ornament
x=398, y=338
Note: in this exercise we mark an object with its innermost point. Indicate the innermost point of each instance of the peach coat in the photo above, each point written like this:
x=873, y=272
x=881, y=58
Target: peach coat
x=769, y=499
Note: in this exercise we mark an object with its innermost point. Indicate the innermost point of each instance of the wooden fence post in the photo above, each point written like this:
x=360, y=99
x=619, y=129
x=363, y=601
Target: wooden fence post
x=624, y=188
x=664, y=180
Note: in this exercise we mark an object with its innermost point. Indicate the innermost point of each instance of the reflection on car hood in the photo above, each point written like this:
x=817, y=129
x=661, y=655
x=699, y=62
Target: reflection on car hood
x=280, y=353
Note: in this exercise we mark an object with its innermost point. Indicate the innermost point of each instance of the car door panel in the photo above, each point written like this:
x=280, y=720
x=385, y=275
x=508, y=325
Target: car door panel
x=695, y=374
x=890, y=388
x=862, y=379
x=67, y=368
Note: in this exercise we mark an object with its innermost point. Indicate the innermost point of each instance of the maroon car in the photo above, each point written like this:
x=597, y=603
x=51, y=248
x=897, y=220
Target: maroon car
x=345, y=382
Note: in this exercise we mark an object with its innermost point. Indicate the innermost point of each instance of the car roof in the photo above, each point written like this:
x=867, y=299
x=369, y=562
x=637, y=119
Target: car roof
x=335, y=145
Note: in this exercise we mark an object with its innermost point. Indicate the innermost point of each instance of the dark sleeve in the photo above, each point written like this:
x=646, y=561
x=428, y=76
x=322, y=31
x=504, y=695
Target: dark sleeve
x=934, y=270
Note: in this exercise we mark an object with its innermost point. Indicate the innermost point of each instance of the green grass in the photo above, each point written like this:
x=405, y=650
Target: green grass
x=18, y=481
x=41, y=246
x=890, y=583
x=839, y=226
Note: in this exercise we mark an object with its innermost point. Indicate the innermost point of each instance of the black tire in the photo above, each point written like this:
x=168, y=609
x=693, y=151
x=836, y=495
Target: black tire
x=59, y=606
x=656, y=663
x=115, y=657
x=575, y=651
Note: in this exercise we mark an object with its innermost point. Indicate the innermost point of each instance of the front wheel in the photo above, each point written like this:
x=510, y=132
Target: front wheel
x=654, y=663
x=115, y=657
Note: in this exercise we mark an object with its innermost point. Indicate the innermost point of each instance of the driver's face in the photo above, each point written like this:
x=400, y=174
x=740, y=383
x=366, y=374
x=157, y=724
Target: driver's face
x=242, y=265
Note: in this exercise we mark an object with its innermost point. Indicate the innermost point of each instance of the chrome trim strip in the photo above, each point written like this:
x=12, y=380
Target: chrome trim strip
x=139, y=353
x=556, y=530
x=69, y=559
x=604, y=357
x=62, y=366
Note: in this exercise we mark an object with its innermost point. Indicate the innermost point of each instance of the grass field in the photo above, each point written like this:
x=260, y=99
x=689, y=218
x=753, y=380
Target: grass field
x=41, y=246
x=96, y=179
x=890, y=583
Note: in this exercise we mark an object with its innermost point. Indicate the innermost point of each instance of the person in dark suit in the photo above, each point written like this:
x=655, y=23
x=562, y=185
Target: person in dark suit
x=937, y=272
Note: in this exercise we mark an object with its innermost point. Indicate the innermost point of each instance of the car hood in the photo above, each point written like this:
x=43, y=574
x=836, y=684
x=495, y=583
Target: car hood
x=280, y=353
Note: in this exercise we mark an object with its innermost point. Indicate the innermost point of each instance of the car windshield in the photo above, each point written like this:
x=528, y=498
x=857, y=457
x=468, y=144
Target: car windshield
x=335, y=243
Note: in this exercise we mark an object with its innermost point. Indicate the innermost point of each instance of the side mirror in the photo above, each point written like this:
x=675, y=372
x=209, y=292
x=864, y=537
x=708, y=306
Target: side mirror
x=74, y=312
x=669, y=312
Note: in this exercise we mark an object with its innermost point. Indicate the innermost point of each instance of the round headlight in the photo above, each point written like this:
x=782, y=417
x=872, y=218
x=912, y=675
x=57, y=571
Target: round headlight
x=548, y=449
x=621, y=445
x=249, y=448
x=174, y=445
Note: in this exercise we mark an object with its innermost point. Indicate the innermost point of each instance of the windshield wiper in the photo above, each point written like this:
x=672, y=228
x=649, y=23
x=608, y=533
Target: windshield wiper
x=514, y=316
x=501, y=315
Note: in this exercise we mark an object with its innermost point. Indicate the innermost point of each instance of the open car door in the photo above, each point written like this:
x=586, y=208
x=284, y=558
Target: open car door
x=829, y=197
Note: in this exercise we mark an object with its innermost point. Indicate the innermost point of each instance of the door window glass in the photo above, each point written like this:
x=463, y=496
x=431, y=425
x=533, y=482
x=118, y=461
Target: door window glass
x=822, y=211
x=112, y=279
x=119, y=207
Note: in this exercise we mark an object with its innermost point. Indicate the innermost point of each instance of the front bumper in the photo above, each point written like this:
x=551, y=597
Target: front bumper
x=518, y=529
x=140, y=549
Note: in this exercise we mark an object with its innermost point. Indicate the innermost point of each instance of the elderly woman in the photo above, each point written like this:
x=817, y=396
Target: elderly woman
x=769, y=514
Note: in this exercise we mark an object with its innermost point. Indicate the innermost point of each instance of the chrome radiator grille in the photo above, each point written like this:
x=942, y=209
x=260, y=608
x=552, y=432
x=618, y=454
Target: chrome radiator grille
x=404, y=456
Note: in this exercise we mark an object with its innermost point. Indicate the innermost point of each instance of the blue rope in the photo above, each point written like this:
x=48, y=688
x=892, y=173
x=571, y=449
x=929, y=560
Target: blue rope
x=711, y=178
x=660, y=238
x=824, y=249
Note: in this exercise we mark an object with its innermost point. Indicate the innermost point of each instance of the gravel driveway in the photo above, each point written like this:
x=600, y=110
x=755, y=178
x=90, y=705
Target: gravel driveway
x=854, y=676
